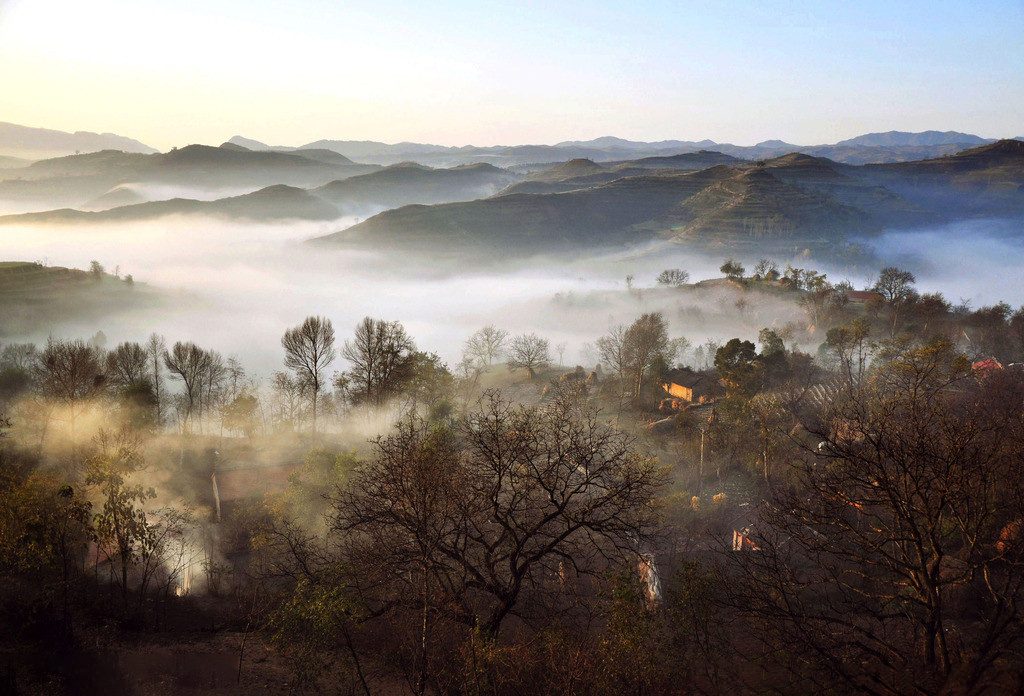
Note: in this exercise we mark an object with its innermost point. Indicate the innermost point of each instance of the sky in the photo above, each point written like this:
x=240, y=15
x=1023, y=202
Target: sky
x=480, y=72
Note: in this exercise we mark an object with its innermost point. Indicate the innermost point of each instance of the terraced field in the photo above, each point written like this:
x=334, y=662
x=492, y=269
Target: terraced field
x=36, y=299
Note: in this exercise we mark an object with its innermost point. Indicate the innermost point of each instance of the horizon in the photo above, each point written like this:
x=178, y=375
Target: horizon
x=457, y=74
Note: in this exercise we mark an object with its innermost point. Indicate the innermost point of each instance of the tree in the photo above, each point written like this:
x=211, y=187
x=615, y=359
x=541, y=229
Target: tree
x=188, y=363
x=380, y=354
x=767, y=269
x=560, y=349
x=127, y=364
x=155, y=349
x=529, y=352
x=289, y=399
x=70, y=372
x=644, y=343
x=469, y=520
x=121, y=525
x=740, y=367
x=97, y=270
x=240, y=414
x=732, y=269
x=893, y=565
x=673, y=277
x=309, y=349
x=896, y=287
x=486, y=344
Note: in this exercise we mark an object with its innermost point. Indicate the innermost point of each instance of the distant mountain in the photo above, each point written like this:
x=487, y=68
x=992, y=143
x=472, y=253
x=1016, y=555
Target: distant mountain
x=38, y=143
x=116, y=197
x=569, y=170
x=982, y=181
x=612, y=143
x=870, y=148
x=687, y=161
x=791, y=200
x=610, y=215
x=582, y=173
x=75, y=180
x=904, y=139
x=777, y=145
x=13, y=162
x=273, y=203
x=409, y=183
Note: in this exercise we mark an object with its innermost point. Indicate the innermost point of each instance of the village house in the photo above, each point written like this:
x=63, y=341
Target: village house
x=862, y=297
x=691, y=387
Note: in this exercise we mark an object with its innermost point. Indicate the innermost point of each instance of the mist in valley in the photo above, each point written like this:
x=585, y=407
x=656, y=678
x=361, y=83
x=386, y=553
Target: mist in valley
x=235, y=287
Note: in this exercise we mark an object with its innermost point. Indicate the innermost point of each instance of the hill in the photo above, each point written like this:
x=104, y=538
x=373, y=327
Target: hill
x=757, y=205
x=278, y=202
x=611, y=215
x=793, y=199
x=37, y=143
x=568, y=170
x=116, y=197
x=409, y=183
x=34, y=298
x=985, y=181
x=75, y=180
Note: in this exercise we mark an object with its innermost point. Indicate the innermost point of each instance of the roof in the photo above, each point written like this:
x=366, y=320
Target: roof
x=685, y=377
x=987, y=365
x=862, y=295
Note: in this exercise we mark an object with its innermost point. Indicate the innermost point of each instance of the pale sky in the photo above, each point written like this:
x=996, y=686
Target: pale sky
x=480, y=72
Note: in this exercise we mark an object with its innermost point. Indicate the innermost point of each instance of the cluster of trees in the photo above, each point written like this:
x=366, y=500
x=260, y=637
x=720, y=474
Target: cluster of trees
x=863, y=532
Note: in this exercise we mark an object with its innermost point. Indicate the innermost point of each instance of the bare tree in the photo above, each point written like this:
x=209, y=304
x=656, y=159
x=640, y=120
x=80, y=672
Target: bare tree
x=127, y=364
x=381, y=354
x=673, y=277
x=643, y=342
x=308, y=350
x=19, y=356
x=188, y=363
x=614, y=356
x=486, y=344
x=895, y=561
x=529, y=352
x=70, y=372
x=469, y=521
x=155, y=349
x=560, y=349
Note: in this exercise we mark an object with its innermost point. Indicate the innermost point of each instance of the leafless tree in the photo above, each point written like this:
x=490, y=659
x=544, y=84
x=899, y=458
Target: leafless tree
x=529, y=352
x=308, y=350
x=70, y=372
x=673, y=277
x=486, y=344
x=895, y=565
x=644, y=341
x=188, y=363
x=155, y=349
x=19, y=356
x=381, y=354
x=127, y=364
x=469, y=520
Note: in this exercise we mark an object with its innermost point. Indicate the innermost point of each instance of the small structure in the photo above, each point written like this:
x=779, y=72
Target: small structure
x=689, y=386
x=742, y=542
x=984, y=368
x=862, y=297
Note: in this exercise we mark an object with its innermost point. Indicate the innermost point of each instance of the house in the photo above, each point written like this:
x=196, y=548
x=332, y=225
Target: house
x=689, y=386
x=984, y=368
x=862, y=297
